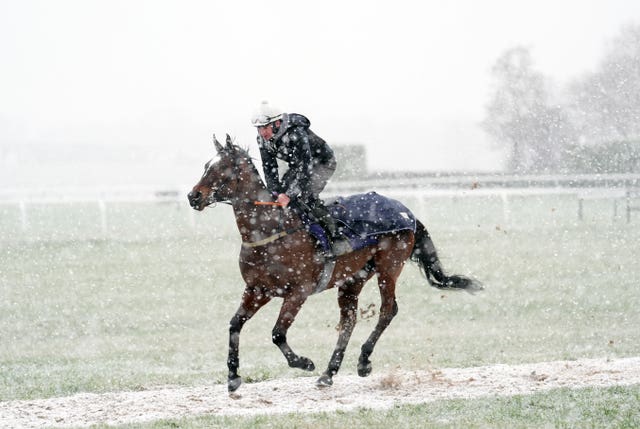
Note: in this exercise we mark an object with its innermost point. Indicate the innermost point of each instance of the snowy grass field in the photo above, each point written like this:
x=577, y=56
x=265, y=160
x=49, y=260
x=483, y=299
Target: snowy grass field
x=147, y=303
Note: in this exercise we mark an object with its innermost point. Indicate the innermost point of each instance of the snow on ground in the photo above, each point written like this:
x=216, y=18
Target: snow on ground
x=302, y=396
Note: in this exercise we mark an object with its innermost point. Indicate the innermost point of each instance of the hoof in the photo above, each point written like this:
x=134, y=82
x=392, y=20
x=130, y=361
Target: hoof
x=324, y=381
x=309, y=366
x=364, y=369
x=303, y=363
x=233, y=384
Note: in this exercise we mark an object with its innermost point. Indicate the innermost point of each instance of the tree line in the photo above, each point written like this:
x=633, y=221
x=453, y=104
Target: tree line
x=591, y=125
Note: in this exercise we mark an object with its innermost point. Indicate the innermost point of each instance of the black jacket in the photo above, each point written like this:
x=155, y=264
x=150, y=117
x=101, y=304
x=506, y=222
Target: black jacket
x=300, y=148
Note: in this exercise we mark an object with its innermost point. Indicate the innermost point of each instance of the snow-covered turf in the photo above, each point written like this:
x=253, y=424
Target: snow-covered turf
x=300, y=395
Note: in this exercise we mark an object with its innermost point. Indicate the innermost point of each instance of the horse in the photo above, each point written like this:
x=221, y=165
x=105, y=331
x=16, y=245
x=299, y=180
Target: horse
x=280, y=258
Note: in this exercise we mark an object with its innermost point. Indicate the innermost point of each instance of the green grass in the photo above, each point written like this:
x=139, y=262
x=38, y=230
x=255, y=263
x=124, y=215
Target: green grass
x=148, y=303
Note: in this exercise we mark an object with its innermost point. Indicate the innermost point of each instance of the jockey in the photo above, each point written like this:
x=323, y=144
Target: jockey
x=310, y=160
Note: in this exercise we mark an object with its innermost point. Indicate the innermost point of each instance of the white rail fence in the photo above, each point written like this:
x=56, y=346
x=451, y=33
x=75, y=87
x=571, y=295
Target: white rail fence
x=619, y=190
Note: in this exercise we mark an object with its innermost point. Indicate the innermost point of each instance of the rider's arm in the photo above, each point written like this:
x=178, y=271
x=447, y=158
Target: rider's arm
x=300, y=162
x=270, y=169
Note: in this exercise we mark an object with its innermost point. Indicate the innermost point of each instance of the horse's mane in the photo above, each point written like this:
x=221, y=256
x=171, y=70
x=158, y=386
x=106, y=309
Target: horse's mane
x=238, y=152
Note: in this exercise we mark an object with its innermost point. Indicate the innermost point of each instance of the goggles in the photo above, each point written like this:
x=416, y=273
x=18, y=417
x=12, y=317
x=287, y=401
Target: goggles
x=262, y=120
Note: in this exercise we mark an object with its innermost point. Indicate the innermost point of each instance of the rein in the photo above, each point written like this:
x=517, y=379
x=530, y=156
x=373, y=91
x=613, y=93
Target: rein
x=274, y=237
x=270, y=239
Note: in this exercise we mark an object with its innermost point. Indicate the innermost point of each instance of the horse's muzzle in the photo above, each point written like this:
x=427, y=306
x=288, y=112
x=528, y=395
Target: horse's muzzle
x=195, y=200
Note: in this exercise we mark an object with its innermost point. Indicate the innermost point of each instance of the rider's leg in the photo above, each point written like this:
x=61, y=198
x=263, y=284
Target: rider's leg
x=321, y=214
x=320, y=175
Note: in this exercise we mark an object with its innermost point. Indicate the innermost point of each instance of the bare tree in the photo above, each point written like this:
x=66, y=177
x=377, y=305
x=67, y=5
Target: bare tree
x=521, y=119
x=605, y=104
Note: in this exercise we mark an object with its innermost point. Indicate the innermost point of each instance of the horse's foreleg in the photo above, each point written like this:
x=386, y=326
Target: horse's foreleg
x=290, y=308
x=348, y=302
x=251, y=303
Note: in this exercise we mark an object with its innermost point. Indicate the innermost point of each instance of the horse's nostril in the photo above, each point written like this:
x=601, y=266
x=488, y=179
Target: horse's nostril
x=194, y=198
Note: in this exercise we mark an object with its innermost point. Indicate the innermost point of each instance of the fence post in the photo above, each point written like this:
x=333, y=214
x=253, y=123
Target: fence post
x=505, y=207
x=422, y=205
x=103, y=217
x=23, y=216
x=580, y=202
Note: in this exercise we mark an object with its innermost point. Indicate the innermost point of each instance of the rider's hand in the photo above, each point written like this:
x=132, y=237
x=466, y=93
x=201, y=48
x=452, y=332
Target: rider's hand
x=283, y=199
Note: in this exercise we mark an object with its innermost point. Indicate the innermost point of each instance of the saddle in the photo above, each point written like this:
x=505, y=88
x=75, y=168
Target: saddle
x=361, y=219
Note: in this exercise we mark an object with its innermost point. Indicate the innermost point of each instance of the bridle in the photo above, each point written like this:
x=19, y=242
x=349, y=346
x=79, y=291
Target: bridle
x=212, y=198
x=235, y=176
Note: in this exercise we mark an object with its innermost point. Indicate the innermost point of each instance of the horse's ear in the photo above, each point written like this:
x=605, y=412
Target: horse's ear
x=219, y=147
x=229, y=142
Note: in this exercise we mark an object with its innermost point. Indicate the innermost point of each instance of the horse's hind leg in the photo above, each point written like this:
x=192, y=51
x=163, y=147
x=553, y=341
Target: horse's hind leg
x=290, y=308
x=386, y=315
x=348, y=302
x=389, y=262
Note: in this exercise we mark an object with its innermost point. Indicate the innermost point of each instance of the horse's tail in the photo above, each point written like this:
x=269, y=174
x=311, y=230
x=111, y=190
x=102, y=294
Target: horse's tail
x=425, y=255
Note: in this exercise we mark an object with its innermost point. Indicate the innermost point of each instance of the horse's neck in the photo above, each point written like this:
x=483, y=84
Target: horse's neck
x=257, y=222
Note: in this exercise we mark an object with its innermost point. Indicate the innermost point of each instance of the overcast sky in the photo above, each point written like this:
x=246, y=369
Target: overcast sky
x=409, y=79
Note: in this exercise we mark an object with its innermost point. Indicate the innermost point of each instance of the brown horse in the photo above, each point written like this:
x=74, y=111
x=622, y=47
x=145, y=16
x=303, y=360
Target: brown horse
x=280, y=259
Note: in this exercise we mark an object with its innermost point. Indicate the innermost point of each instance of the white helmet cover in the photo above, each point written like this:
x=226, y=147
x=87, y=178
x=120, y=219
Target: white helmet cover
x=265, y=115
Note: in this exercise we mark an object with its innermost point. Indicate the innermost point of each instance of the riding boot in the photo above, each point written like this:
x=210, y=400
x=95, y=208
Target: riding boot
x=338, y=244
x=320, y=213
